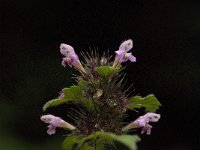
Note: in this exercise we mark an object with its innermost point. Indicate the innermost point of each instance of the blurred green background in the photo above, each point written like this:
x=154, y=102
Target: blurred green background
x=166, y=37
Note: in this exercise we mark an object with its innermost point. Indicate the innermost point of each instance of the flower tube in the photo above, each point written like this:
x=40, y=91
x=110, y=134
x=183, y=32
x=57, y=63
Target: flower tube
x=55, y=122
x=71, y=57
x=143, y=122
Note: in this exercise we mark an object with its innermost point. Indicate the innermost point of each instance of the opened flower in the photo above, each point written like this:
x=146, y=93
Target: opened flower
x=143, y=122
x=71, y=57
x=122, y=54
x=55, y=122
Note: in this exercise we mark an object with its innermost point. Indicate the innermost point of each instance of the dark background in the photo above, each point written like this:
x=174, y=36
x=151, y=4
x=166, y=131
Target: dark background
x=166, y=35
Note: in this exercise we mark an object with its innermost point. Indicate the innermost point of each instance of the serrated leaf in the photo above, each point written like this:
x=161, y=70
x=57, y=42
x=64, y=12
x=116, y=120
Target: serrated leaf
x=74, y=95
x=71, y=143
x=53, y=103
x=129, y=141
x=81, y=83
x=99, y=146
x=104, y=137
x=150, y=103
x=106, y=71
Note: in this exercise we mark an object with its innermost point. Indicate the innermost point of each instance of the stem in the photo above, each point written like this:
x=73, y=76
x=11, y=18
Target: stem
x=94, y=104
x=92, y=97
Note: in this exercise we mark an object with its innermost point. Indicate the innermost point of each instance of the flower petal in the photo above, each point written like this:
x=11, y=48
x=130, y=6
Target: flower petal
x=119, y=52
x=51, y=130
x=152, y=117
x=149, y=129
x=132, y=58
x=126, y=45
x=140, y=122
x=69, y=61
x=66, y=49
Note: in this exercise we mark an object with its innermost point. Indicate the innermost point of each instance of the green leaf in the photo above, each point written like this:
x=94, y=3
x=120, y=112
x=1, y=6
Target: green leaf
x=106, y=71
x=104, y=137
x=99, y=146
x=54, y=102
x=74, y=95
x=82, y=83
x=71, y=143
x=87, y=147
x=128, y=140
x=150, y=103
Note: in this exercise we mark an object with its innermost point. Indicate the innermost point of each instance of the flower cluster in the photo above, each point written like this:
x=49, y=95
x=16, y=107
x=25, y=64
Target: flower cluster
x=103, y=101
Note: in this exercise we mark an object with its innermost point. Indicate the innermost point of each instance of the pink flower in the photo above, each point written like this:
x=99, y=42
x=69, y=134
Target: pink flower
x=143, y=122
x=55, y=122
x=61, y=96
x=71, y=57
x=122, y=55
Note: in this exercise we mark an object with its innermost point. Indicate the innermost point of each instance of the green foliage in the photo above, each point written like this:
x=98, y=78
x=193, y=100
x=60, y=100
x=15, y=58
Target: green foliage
x=71, y=142
x=106, y=71
x=104, y=137
x=74, y=95
x=53, y=103
x=81, y=83
x=149, y=102
x=128, y=140
x=100, y=138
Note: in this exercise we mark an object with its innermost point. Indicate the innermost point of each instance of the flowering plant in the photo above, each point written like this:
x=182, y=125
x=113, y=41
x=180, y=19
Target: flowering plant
x=102, y=103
